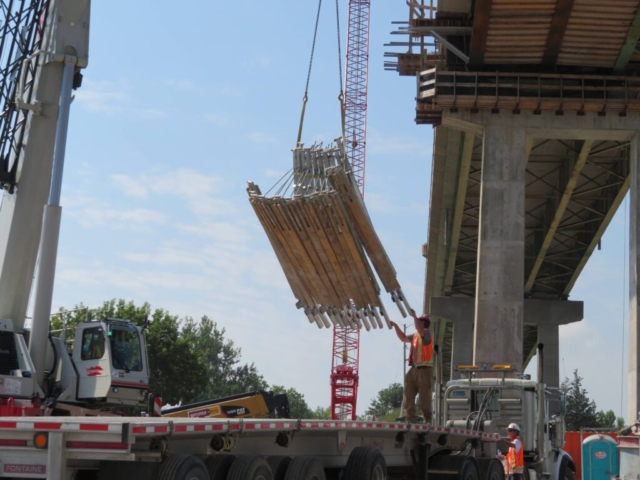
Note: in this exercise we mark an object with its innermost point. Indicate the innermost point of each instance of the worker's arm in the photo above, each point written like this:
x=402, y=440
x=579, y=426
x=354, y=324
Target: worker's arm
x=419, y=325
x=507, y=441
x=401, y=335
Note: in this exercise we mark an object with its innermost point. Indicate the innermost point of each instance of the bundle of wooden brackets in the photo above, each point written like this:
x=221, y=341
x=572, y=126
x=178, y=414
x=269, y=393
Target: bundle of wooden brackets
x=320, y=235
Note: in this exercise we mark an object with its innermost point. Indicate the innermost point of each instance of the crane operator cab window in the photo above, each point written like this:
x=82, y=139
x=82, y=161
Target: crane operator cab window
x=92, y=344
x=125, y=348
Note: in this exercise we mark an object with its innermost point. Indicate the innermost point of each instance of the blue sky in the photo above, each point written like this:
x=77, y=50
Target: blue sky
x=180, y=107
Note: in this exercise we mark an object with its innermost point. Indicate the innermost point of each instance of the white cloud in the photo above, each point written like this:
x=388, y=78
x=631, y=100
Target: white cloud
x=262, y=138
x=130, y=186
x=153, y=113
x=201, y=192
x=94, y=216
x=218, y=119
x=102, y=97
x=114, y=98
x=182, y=85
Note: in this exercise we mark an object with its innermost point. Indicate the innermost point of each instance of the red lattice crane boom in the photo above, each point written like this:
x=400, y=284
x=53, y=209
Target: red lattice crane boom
x=346, y=341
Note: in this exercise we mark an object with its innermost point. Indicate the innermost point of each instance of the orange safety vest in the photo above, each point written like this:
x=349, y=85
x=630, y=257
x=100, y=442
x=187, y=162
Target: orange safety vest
x=420, y=354
x=515, y=460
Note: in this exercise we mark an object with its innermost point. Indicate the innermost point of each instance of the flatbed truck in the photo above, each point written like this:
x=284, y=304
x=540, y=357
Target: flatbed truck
x=61, y=448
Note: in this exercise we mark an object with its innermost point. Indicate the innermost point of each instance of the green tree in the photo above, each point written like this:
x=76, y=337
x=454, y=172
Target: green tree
x=387, y=400
x=580, y=410
x=221, y=359
x=321, y=413
x=176, y=371
x=609, y=420
x=297, y=404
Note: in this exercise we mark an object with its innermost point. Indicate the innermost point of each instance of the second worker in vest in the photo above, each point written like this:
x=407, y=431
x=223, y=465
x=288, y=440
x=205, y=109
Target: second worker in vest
x=514, y=459
x=418, y=378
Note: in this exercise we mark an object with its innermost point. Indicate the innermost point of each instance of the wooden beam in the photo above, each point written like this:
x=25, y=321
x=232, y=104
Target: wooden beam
x=559, y=23
x=633, y=35
x=480, y=32
x=461, y=194
x=559, y=213
x=624, y=188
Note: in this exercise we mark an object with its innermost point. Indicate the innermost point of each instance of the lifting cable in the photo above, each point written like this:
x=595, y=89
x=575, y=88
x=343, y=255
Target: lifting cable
x=306, y=88
x=305, y=98
x=341, y=96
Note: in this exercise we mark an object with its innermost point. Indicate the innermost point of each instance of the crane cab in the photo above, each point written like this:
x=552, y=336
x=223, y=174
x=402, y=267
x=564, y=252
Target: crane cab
x=110, y=358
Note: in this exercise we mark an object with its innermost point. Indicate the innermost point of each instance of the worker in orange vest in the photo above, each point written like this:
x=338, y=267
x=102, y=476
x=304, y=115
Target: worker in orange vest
x=514, y=460
x=419, y=377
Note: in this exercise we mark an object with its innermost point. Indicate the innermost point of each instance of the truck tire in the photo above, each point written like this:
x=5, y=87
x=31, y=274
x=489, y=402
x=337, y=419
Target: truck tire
x=218, y=465
x=305, y=468
x=565, y=470
x=86, y=475
x=183, y=467
x=470, y=470
x=366, y=463
x=495, y=470
x=278, y=466
x=249, y=467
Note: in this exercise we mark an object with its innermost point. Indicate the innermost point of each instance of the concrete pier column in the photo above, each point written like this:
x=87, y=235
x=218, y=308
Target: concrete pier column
x=500, y=278
x=634, y=285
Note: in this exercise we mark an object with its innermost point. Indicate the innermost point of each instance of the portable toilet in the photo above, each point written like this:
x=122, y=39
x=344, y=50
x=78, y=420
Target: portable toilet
x=599, y=458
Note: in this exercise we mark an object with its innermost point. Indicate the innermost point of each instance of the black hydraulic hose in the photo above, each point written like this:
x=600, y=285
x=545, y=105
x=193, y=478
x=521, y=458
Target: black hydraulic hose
x=55, y=359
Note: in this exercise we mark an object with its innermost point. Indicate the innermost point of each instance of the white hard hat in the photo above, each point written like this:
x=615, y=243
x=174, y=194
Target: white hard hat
x=513, y=426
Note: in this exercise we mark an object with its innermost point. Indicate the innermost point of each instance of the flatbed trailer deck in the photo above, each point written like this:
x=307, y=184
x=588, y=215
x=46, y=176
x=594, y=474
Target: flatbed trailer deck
x=138, y=444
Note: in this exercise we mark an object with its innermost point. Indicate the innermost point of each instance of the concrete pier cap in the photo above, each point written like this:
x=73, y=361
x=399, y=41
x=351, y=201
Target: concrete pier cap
x=547, y=315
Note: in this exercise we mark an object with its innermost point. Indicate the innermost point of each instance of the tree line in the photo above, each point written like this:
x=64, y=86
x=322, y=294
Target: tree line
x=189, y=360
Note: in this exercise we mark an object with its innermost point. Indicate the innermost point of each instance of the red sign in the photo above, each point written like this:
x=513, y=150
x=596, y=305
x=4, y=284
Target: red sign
x=202, y=413
x=600, y=455
x=25, y=469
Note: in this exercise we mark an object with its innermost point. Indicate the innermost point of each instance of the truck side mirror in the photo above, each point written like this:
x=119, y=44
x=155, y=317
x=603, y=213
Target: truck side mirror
x=563, y=403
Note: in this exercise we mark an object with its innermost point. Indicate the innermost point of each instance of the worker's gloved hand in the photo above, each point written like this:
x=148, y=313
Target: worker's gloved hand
x=413, y=313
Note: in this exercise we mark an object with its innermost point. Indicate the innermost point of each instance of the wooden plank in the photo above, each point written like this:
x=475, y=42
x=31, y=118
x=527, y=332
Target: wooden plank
x=556, y=33
x=360, y=219
x=332, y=266
x=279, y=247
x=327, y=294
x=478, y=44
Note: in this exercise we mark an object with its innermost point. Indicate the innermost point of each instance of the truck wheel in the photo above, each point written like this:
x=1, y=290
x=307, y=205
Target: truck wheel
x=470, y=470
x=219, y=465
x=278, y=466
x=495, y=470
x=565, y=470
x=305, y=468
x=366, y=463
x=249, y=467
x=183, y=467
x=86, y=475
